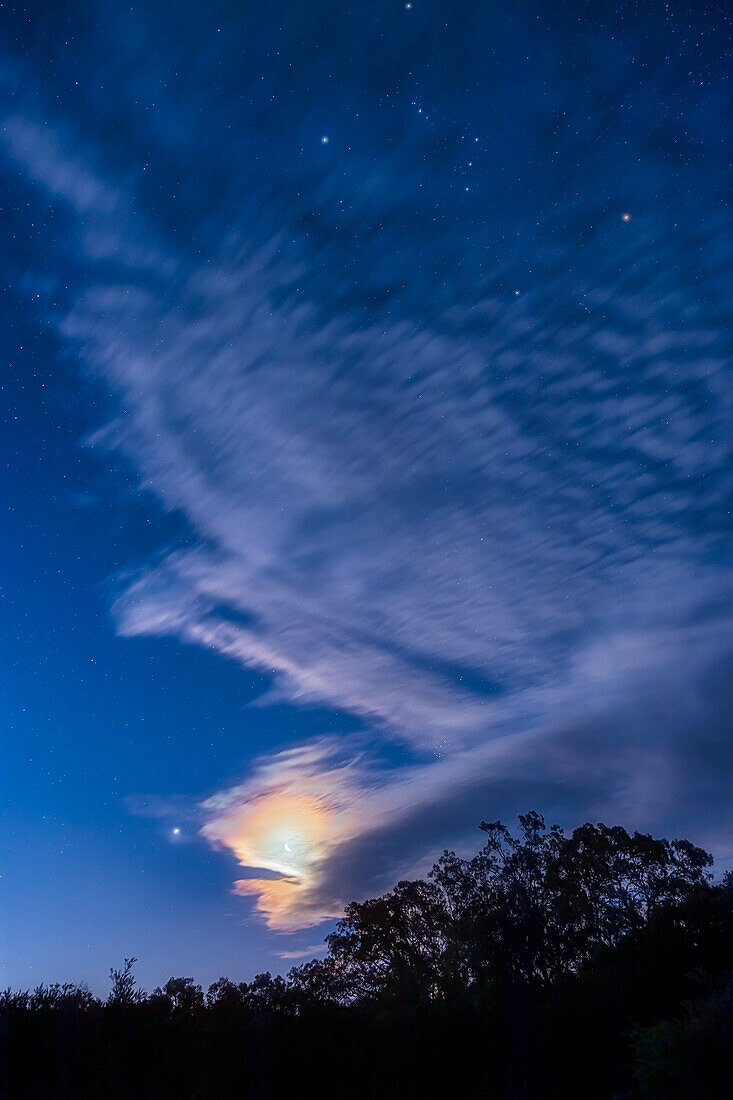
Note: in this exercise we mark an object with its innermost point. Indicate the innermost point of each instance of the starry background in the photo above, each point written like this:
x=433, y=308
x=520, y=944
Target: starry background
x=366, y=455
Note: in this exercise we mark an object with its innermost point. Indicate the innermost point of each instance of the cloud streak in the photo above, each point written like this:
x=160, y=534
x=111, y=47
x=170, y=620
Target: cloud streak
x=630, y=731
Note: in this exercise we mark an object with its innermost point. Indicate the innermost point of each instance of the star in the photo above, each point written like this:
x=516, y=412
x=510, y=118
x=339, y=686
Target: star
x=324, y=140
x=176, y=831
x=626, y=217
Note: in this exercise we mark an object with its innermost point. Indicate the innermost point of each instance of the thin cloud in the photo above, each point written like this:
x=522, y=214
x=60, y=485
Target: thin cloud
x=304, y=953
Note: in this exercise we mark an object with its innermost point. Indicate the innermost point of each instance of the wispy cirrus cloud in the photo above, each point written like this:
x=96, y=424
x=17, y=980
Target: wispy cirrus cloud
x=490, y=523
x=629, y=732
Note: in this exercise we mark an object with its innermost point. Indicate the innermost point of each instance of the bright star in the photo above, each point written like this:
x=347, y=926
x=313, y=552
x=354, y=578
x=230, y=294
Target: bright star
x=324, y=140
x=176, y=831
x=626, y=217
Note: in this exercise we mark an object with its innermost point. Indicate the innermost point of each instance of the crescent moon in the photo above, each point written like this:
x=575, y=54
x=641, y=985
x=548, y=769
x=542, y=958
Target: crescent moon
x=287, y=847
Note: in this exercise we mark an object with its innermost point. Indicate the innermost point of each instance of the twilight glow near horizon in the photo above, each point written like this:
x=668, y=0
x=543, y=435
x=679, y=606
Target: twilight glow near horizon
x=368, y=431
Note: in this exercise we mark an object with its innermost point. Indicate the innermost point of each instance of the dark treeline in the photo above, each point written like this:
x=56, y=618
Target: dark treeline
x=595, y=965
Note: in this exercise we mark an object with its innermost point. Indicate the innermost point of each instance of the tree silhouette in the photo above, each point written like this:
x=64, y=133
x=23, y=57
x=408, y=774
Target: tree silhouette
x=180, y=995
x=546, y=966
x=393, y=945
x=123, y=990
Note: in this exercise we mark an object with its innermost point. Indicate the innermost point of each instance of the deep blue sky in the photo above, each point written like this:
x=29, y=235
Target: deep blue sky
x=366, y=450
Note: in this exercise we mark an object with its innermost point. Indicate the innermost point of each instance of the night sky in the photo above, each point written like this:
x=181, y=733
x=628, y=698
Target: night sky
x=366, y=455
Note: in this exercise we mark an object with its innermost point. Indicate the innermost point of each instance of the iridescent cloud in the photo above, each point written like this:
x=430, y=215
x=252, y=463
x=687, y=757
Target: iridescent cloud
x=294, y=811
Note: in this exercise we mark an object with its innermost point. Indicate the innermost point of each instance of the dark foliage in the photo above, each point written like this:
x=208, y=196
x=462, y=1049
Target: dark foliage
x=547, y=966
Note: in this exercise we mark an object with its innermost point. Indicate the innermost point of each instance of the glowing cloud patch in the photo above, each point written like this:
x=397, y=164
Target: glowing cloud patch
x=281, y=825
